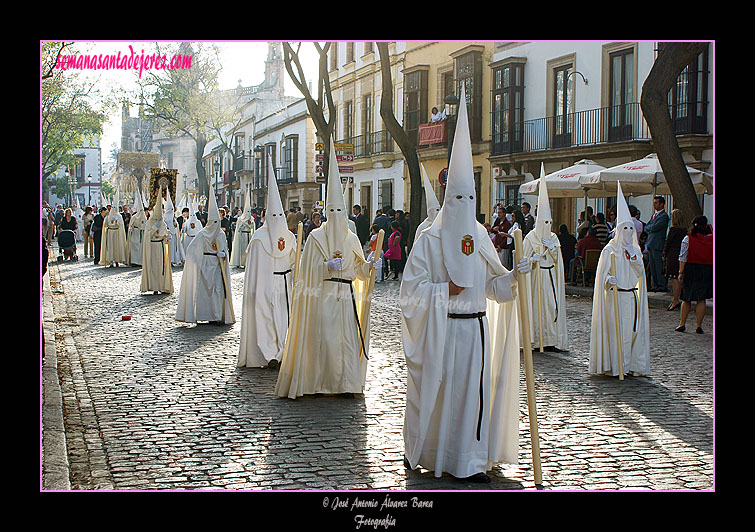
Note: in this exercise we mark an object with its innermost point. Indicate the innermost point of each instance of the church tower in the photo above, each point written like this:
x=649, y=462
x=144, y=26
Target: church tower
x=274, y=69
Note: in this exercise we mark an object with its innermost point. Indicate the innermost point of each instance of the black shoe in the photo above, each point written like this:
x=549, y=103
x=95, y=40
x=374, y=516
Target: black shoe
x=699, y=330
x=273, y=364
x=479, y=478
x=407, y=464
x=681, y=328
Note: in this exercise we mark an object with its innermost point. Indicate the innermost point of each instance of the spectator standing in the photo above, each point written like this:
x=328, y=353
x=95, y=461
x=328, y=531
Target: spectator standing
x=529, y=220
x=601, y=229
x=568, y=249
x=362, y=224
x=291, y=220
x=671, y=251
x=696, y=271
x=87, y=219
x=314, y=224
x=394, y=250
x=97, y=223
x=656, y=229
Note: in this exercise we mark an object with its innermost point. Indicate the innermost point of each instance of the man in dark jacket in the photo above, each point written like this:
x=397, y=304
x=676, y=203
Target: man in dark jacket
x=362, y=224
x=656, y=229
x=97, y=223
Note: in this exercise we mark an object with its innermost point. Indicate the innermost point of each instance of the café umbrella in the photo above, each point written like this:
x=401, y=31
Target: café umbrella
x=565, y=183
x=643, y=176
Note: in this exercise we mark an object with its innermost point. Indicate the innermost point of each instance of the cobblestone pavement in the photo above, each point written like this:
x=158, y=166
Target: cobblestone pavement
x=152, y=403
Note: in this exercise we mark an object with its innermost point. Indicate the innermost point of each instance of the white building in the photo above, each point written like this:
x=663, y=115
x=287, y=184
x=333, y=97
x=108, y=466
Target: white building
x=87, y=173
x=286, y=137
x=356, y=82
x=559, y=102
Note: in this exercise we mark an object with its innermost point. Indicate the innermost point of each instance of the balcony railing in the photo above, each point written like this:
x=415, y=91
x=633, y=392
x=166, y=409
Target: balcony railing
x=370, y=143
x=585, y=128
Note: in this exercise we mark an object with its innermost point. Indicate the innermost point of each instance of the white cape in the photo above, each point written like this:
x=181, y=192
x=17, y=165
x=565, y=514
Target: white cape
x=444, y=355
x=157, y=274
x=205, y=294
x=552, y=293
x=266, y=304
x=322, y=351
x=633, y=317
x=241, y=239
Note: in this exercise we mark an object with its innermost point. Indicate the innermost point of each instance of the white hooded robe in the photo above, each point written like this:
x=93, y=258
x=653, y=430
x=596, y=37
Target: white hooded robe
x=634, y=321
x=552, y=281
x=136, y=232
x=177, y=255
x=243, y=235
x=205, y=293
x=157, y=275
x=323, y=350
x=113, y=245
x=462, y=373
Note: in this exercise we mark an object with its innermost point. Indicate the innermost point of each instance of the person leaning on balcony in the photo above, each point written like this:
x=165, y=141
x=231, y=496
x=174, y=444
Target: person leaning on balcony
x=437, y=116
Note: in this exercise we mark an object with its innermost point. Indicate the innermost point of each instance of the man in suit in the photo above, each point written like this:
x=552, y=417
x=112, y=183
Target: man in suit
x=656, y=229
x=529, y=220
x=362, y=224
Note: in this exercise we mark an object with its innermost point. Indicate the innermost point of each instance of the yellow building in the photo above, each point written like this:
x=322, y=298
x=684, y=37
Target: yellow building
x=423, y=74
x=432, y=71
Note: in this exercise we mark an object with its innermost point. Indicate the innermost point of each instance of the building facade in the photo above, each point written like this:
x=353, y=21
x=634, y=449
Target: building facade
x=378, y=176
x=528, y=103
x=559, y=102
x=85, y=177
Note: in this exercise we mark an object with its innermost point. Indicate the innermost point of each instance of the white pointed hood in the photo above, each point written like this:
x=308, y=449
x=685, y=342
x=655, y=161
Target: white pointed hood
x=280, y=241
x=456, y=220
x=192, y=225
x=246, y=219
x=336, y=227
x=138, y=217
x=170, y=212
x=212, y=228
x=158, y=217
x=625, y=234
x=544, y=221
x=433, y=206
x=114, y=217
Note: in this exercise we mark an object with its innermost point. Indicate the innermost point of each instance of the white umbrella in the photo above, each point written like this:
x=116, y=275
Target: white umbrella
x=565, y=183
x=643, y=176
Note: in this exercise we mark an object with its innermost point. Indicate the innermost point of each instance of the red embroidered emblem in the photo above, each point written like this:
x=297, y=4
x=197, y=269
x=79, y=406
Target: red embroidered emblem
x=467, y=245
x=281, y=243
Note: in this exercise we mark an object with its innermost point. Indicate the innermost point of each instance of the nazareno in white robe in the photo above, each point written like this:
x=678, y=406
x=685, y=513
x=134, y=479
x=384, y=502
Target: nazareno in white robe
x=268, y=284
x=241, y=239
x=113, y=245
x=157, y=275
x=444, y=359
x=136, y=239
x=322, y=351
x=552, y=293
x=177, y=253
x=204, y=294
x=633, y=316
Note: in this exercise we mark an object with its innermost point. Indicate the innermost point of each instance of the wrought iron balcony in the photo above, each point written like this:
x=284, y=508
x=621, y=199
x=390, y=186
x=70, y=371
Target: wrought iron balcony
x=585, y=128
x=370, y=143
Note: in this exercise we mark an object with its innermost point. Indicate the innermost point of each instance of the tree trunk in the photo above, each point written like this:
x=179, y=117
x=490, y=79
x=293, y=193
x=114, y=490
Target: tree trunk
x=323, y=128
x=671, y=60
x=203, y=187
x=405, y=144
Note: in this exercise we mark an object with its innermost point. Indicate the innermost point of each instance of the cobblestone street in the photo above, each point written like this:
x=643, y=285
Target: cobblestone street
x=152, y=403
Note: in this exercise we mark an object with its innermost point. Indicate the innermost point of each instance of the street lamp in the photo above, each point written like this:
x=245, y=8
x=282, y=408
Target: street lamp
x=89, y=186
x=71, y=181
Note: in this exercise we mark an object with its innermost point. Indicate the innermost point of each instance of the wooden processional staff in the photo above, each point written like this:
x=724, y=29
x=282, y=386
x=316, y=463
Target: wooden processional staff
x=524, y=314
x=365, y=314
x=615, y=288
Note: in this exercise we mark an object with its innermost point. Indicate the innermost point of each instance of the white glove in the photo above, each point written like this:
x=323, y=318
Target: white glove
x=632, y=252
x=611, y=280
x=548, y=243
x=523, y=266
x=335, y=264
x=370, y=256
x=169, y=236
x=377, y=264
x=536, y=257
x=221, y=254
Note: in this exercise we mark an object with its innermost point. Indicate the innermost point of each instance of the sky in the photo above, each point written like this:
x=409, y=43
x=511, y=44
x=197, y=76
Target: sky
x=240, y=60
